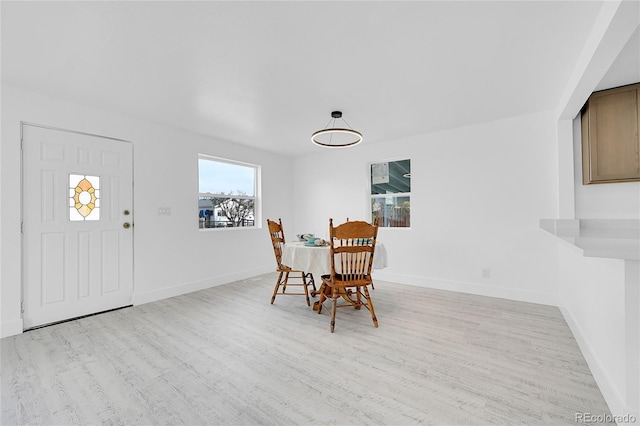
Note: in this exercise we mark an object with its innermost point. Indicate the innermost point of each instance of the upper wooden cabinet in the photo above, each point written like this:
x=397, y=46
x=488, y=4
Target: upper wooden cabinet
x=610, y=141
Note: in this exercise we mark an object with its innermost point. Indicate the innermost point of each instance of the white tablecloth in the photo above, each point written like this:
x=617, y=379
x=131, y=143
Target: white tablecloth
x=317, y=260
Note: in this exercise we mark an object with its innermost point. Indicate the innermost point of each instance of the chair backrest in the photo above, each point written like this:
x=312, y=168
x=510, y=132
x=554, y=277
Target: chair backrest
x=352, y=245
x=277, y=238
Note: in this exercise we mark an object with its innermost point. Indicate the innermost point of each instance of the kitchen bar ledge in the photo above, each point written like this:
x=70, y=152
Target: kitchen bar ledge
x=608, y=238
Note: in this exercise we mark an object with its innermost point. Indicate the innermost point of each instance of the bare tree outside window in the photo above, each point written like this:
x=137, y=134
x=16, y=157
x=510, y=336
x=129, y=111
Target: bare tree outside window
x=239, y=210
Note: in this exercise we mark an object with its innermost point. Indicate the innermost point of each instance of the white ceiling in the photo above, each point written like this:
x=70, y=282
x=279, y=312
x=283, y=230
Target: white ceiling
x=268, y=74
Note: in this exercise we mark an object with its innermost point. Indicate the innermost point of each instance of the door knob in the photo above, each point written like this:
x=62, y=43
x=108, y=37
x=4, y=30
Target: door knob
x=126, y=225
x=126, y=212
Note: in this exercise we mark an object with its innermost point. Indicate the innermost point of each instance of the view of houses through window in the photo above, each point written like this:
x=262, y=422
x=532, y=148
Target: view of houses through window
x=227, y=193
x=391, y=193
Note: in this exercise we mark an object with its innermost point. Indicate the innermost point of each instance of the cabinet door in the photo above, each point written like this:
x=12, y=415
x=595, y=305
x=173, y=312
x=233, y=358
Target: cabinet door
x=611, y=142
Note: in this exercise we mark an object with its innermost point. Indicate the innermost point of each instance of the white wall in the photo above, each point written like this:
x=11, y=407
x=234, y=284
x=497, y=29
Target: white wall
x=592, y=295
x=478, y=193
x=171, y=255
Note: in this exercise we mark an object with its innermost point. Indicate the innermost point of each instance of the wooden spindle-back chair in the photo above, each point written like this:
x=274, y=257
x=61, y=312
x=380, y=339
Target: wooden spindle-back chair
x=287, y=277
x=352, y=245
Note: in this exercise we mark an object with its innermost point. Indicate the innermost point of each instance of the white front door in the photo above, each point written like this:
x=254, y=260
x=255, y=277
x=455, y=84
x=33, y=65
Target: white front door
x=77, y=212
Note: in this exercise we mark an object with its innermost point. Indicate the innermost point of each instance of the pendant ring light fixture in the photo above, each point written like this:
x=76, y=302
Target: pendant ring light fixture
x=336, y=137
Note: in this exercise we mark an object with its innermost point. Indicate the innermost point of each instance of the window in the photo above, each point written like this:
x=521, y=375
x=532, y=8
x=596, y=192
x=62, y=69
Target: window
x=391, y=193
x=228, y=193
x=84, y=197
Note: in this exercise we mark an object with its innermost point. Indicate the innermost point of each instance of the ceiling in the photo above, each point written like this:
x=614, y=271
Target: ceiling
x=268, y=74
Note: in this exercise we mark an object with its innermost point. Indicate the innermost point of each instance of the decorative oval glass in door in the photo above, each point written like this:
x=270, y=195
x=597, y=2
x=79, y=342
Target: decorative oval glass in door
x=84, y=197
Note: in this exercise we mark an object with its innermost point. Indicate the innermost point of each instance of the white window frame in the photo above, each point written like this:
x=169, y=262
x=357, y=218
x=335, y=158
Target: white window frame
x=257, y=211
x=371, y=196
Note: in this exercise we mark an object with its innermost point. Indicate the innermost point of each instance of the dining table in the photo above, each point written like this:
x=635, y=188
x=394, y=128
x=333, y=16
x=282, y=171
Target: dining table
x=316, y=259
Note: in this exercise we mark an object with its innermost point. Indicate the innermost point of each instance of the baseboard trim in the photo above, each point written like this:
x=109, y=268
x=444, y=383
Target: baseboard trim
x=184, y=288
x=614, y=400
x=469, y=288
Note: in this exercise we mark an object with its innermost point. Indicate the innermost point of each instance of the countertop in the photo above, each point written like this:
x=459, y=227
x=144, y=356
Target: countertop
x=610, y=238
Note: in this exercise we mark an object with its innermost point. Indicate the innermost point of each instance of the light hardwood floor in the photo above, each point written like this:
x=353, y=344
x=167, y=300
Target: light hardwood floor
x=226, y=356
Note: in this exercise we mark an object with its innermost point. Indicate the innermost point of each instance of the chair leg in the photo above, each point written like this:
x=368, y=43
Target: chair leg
x=370, y=303
x=313, y=282
x=275, y=290
x=284, y=282
x=334, y=305
x=306, y=290
x=322, y=298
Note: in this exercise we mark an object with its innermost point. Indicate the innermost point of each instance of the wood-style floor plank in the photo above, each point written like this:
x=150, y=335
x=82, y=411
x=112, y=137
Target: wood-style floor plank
x=226, y=356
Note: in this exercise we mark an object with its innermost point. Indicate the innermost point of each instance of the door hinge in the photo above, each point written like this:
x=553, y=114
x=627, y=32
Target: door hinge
x=22, y=227
x=22, y=307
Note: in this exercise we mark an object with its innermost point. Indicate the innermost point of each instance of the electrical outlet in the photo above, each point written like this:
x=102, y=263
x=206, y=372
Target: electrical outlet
x=486, y=273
